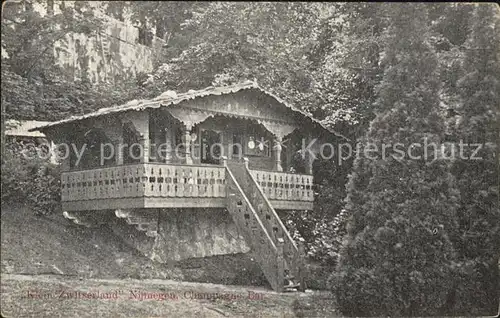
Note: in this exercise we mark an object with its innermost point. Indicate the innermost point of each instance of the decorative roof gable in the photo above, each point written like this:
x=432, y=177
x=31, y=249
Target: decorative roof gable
x=170, y=98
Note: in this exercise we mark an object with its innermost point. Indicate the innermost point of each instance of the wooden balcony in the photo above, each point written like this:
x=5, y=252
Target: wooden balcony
x=286, y=190
x=158, y=185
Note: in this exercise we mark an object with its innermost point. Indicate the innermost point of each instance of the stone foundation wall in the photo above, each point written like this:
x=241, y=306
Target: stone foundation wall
x=184, y=234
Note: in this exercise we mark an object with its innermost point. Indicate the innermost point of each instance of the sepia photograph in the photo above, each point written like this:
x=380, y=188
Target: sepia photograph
x=250, y=159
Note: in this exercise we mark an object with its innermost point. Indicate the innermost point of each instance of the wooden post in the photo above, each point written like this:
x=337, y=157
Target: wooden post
x=280, y=265
x=302, y=268
x=308, y=158
x=144, y=142
x=119, y=152
x=309, y=164
x=53, y=154
x=156, y=142
x=168, y=145
x=117, y=140
x=277, y=154
x=187, y=146
x=288, y=159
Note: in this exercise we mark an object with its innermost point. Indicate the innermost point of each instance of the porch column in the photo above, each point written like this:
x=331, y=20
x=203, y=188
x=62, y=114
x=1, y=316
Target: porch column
x=116, y=137
x=280, y=131
x=309, y=164
x=144, y=142
x=118, y=151
x=277, y=154
x=168, y=145
x=309, y=158
x=153, y=151
x=53, y=154
x=186, y=131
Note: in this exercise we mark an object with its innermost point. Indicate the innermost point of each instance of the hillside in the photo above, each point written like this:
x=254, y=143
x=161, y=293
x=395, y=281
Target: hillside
x=55, y=296
x=34, y=245
x=42, y=256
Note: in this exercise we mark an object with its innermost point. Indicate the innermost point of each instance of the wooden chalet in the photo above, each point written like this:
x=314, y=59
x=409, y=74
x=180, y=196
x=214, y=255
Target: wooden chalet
x=214, y=187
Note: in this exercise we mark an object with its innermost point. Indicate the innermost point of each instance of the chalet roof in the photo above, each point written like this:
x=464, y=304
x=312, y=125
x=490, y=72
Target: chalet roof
x=171, y=98
x=24, y=128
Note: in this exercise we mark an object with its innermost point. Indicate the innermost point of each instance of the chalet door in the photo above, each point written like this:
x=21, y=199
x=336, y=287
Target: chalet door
x=211, y=146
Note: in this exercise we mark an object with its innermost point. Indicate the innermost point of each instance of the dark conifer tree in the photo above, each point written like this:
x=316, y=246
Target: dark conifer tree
x=399, y=257
x=477, y=177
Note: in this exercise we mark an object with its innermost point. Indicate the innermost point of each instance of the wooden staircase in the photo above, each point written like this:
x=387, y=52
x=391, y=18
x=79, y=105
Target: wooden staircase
x=281, y=260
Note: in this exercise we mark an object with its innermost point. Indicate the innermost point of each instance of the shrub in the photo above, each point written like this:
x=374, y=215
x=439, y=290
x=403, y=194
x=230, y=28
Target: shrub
x=35, y=181
x=323, y=236
x=14, y=178
x=45, y=191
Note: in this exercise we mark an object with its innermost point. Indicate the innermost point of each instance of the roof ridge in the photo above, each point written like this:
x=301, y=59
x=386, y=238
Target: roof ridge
x=164, y=100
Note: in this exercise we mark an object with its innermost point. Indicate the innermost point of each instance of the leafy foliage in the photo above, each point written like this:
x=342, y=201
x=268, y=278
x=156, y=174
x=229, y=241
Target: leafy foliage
x=295, y=50
x=380, y=73
x=33, y=85
x=273, y=43
x=29, y=37
x=31, y=179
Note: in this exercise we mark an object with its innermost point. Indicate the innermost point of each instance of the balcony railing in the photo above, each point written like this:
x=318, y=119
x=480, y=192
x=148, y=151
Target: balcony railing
x=285, y=186
x=144, y=180
x=175, y=181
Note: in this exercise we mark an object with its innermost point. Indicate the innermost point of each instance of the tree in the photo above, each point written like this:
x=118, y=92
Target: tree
x=322, y=57
x=478, y=122
x=274, y=43
x=347, y=58
x=399, y=257
x=33, y=86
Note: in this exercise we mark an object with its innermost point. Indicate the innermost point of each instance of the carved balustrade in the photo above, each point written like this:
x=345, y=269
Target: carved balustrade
x=285, y=186
x=144, y=180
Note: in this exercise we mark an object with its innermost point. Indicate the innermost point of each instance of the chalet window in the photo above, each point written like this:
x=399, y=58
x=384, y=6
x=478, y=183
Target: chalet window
x=258, y=144
x=211, y=142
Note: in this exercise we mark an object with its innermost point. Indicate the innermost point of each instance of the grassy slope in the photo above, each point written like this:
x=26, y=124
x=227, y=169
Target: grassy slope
x=54, y=245
x=53, y=253
x=34, y=245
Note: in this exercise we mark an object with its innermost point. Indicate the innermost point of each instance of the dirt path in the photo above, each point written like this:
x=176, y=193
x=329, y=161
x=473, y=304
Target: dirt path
x=63, y=296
